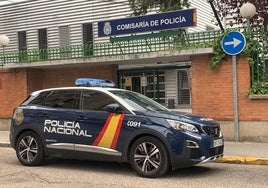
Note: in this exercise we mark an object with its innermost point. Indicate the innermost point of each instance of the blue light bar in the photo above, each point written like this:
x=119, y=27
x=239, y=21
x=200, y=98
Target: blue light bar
x=94, y=82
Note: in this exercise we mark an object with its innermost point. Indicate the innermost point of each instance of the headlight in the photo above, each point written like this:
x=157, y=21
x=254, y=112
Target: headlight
x=182, y=126
x=18, y=116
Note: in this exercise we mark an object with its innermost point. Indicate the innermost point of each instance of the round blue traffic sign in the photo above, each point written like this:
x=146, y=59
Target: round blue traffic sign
x=233, y=43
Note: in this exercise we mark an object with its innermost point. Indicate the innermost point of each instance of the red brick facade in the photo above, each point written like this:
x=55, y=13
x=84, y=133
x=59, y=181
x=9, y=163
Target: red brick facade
x=212, y=91
x=13, y=89
x=17, y=84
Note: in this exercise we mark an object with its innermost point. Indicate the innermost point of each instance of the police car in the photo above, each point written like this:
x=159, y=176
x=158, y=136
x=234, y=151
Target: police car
x=101, y=123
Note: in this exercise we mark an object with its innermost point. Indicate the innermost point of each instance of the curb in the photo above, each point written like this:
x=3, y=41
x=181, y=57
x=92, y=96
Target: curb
x=243, y=160
x=5, y=144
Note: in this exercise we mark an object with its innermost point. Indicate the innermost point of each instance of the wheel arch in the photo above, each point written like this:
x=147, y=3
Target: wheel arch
x=143, y=133
x=30, y=129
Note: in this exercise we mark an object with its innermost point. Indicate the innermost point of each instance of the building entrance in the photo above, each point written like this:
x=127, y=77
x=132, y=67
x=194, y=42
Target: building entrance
x=170, y=87
x=149, y=83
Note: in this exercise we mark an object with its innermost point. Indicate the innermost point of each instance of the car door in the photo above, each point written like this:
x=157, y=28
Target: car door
x=58, y=118
x=100, y=130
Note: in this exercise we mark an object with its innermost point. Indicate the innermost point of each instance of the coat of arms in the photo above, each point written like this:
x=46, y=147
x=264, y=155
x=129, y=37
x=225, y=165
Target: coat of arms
x=107, y=29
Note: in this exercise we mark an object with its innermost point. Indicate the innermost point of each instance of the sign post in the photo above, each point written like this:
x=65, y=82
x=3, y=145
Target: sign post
x=232, y=44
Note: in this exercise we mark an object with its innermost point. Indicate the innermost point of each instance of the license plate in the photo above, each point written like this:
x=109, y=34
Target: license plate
x=217, y=143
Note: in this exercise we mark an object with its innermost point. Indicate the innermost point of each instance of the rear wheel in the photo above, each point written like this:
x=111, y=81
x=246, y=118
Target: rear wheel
x=29, y=149
x=149, y=157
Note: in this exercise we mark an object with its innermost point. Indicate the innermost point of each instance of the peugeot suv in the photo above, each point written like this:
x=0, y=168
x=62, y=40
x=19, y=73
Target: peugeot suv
x=96, y=123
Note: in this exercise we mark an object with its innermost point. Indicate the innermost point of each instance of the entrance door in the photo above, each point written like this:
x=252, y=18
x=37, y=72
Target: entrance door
x=136, y=84
x=150, y=83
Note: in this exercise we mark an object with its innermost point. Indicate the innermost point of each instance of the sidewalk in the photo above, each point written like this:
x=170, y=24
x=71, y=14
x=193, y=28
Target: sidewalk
x=234, y=152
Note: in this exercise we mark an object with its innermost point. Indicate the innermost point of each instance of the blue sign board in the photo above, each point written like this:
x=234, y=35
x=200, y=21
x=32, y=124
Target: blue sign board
x=233, y=43
x=154, y=22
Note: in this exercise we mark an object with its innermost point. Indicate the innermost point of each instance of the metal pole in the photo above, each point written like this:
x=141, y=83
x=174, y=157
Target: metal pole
x=236, y=123
x=216, y=14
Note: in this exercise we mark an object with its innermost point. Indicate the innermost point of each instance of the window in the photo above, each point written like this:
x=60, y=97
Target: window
x=94, y=100
x=42, y=43
x=64, y=36
x=183, y=87
x=22, y=46
x=88, y=38
x=62, y=99
x=40, y=99
x=64, y=40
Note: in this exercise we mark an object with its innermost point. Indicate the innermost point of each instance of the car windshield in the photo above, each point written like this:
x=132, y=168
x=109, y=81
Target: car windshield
x=138, y=101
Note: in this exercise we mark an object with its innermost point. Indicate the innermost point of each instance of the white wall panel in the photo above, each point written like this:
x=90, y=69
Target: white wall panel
x=36, y=14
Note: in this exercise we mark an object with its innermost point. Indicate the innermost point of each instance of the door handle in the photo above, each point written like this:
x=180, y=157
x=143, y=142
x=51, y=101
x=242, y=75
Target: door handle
x=44, y=116
x=81, y=118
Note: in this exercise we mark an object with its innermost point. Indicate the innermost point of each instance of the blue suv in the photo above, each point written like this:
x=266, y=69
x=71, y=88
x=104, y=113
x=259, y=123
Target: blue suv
x=98, y=123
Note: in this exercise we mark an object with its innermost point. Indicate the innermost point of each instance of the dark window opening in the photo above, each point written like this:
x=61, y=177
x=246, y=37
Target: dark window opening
x=22, y=46
x=42, y=43
x=88, y=39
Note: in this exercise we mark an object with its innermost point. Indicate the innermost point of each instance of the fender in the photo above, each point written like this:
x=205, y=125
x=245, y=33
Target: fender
x=25, y=128
x=141, y=133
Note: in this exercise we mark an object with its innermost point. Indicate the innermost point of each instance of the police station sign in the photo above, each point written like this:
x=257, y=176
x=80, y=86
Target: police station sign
x=154, y=22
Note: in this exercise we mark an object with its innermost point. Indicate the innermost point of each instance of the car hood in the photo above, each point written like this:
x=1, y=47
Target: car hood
x=180, y=116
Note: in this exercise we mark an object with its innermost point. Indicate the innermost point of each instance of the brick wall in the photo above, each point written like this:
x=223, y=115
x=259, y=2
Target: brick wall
x=13, y=89
x=16, y=85
x=212, y=91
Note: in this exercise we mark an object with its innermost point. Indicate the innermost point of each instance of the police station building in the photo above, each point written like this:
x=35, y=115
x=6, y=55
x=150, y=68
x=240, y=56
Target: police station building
x=51, y=44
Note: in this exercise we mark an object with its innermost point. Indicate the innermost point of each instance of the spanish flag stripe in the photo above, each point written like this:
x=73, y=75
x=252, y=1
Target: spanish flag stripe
x=97, y=141
x=110, y=132
x=119, y=125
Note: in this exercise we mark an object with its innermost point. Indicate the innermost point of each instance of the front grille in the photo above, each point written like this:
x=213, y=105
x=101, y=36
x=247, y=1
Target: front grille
x=212, y=131
x=216, y=151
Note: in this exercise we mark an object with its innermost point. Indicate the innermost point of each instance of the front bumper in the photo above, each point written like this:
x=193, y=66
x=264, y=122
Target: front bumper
x=197, y=152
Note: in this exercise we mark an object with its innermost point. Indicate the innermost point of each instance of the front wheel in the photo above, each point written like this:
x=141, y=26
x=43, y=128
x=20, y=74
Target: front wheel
x=149, y=157
x=29, y=149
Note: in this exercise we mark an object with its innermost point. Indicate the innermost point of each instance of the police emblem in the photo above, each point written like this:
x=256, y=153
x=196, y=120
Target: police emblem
x=107, y=29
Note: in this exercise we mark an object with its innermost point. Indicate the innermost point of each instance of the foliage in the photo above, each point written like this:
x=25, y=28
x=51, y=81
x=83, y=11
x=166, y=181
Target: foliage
x=251, y=50
x=230, y=11
x=141, y=7
x=219, y=54
x=258, y=88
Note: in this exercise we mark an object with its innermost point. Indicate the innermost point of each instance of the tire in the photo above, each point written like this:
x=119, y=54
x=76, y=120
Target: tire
x=29, y=149
x=149, y=157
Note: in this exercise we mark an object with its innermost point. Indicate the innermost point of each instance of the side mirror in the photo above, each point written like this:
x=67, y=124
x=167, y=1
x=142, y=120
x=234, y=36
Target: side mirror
x=114, y=108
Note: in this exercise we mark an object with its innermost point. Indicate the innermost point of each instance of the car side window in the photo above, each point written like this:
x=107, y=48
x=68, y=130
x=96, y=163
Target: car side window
x=95, y=100
x=40, y=99
x=62, y=99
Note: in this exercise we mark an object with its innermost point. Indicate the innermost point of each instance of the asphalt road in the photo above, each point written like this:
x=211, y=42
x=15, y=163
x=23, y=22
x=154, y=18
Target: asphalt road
x=76, y=174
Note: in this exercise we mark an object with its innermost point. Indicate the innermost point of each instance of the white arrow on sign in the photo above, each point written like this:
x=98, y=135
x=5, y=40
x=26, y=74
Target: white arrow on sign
x=235, y=42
